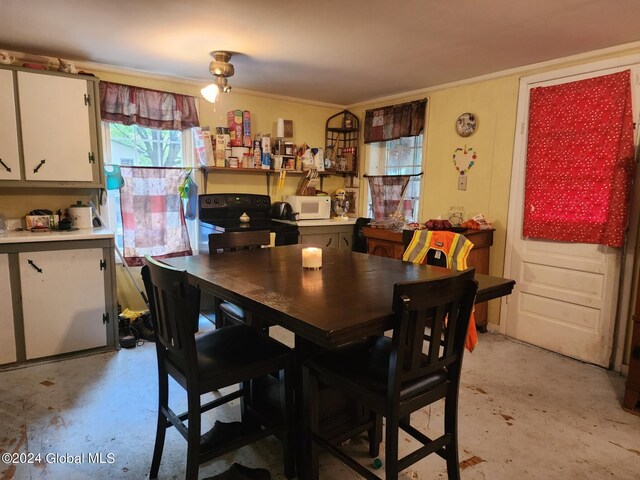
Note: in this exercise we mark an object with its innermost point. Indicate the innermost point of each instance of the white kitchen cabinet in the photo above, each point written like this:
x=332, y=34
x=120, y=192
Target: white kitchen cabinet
x=58, y=140
x=335, y=235
x=7, y=331
x=55, y=128
x=63, y=301
x=9, y=152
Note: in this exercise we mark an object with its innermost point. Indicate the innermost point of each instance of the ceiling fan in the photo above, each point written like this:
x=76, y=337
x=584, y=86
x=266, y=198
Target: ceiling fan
x=221, y=69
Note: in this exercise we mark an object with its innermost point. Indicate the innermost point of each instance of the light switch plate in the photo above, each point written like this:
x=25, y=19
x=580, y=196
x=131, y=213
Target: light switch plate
x=462, y=182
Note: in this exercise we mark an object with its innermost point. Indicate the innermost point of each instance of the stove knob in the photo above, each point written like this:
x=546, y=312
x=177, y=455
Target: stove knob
x=207, y=201
x=216, y=200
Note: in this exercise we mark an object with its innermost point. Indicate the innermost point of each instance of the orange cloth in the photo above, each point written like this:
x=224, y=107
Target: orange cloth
x=443, y=249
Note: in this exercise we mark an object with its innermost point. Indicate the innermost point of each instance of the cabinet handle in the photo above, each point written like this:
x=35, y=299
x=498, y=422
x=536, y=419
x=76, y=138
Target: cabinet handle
x=42, y=162
x=329, y=242
x=5, y=166
x=346, y=242
x=34, y=266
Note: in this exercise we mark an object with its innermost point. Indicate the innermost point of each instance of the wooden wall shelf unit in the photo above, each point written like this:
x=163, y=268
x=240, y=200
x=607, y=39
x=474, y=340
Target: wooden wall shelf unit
x=387, y=243
x=341, y=142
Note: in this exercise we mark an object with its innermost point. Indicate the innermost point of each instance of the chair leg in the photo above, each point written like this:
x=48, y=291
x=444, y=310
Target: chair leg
x=288, y=416
x=451, y=427
x=311, y=426
x=391, y=447
x=193, y=435
x=161, y=428
x=375, y=434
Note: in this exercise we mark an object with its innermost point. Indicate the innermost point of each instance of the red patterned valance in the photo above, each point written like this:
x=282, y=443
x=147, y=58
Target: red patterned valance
x=148, y=108
x=580, y=161
x=395, y=121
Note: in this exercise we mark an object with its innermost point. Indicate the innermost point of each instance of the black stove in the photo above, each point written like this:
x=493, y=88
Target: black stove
x=221, y=212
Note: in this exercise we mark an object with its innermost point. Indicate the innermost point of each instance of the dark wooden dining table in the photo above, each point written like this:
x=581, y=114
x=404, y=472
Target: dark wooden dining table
x=348, y=299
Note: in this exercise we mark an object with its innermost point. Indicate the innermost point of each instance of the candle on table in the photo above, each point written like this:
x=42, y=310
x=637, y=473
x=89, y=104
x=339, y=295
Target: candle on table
x=312, y=258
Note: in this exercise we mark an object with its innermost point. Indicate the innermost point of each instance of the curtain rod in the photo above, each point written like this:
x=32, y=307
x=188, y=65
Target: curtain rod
x=399, y=175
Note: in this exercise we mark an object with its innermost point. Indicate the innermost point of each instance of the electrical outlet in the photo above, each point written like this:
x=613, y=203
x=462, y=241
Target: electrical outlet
x=462, y=182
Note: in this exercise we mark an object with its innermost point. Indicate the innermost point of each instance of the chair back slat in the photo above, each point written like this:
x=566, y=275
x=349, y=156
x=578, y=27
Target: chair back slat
x=173, y=304
x=234, y=241
x=446, y=306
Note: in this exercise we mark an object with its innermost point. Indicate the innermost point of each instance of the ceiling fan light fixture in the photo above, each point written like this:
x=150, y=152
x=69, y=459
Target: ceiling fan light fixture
x=221, y=69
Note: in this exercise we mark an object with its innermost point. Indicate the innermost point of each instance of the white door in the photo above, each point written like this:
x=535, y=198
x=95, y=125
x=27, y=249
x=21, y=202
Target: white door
x=63, y=300
x=565, y=295
x=7, y=333
x=9, y=156
x=56, y=144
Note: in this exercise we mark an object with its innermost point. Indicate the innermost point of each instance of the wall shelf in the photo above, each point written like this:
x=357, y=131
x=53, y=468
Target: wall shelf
x=268, y=173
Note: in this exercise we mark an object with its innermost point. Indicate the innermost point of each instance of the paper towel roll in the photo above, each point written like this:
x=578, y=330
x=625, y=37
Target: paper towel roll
x=280, y=128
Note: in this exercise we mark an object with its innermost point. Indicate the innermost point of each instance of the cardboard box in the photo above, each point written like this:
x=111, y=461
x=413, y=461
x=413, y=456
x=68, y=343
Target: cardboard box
x=234, y=122
x=246, y=128
x=222, y=142
x=47, y=221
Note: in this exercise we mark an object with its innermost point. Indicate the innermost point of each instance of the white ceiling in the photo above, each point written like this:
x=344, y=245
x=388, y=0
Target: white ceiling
x=335, y=51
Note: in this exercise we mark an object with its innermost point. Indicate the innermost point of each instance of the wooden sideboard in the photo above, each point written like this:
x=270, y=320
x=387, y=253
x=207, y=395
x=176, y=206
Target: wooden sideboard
x=387, y=243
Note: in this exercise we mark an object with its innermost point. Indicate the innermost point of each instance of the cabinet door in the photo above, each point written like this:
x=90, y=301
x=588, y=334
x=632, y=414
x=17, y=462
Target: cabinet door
x=345, y=241
x=7, y=333
x=56, y=131
x=9, y=156
x=63, y=301
x=331, y=240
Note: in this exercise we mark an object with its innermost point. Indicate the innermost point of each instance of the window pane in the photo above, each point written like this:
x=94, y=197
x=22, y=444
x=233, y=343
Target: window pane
x=403, y=157
x=133, y=145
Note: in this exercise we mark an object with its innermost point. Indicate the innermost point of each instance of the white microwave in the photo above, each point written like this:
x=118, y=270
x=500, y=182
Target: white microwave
x=310, y=208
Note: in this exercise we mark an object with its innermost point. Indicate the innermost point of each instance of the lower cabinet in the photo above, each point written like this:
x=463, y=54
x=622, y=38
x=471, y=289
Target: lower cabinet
x=63, y=301
x=331, y=236
x=63, y=296
x=7, y=331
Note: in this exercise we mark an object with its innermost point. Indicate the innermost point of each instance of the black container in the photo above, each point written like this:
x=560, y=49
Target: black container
x=282, y=211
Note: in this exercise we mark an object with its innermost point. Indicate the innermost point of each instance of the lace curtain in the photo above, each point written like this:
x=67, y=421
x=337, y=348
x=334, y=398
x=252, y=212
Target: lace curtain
x=580, y=161
x=152, y=217
x=149, y=108
x=394, y=121
x=387, y=192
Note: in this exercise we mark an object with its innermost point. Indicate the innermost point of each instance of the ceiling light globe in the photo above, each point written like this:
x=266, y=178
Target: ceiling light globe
x=210, y=92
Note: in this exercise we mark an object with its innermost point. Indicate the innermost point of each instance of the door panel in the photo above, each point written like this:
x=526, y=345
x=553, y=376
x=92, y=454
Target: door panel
x=63, y=295
x=61, y=138
x=7, y=332
x=10, y=166
x=565, y=295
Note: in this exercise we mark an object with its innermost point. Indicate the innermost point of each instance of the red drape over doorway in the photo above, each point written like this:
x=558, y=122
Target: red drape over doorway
x=580, y=161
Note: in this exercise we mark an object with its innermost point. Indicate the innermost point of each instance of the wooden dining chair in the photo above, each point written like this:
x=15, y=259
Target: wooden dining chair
x=227, y=313
x=394, y=378
x=237, y=354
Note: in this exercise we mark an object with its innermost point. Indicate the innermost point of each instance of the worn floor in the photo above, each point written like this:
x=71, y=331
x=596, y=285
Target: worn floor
x=525, y=414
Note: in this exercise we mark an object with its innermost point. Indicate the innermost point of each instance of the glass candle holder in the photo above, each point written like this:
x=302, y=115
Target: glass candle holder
x=311, y=258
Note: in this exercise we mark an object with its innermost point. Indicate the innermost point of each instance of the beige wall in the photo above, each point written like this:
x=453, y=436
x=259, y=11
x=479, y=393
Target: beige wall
x=494, y=101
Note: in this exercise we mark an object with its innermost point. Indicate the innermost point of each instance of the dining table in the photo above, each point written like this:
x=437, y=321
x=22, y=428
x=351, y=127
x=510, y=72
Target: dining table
x=347, y=299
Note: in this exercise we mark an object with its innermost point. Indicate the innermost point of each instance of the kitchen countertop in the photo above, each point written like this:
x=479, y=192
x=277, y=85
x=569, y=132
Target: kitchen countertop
x=318, y=223
x=25, y=236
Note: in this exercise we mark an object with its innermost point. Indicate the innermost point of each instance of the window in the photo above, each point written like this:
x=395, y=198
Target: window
x=402, y=156
x=141, y=146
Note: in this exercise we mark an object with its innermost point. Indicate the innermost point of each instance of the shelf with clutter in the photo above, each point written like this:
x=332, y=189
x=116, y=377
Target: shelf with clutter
x=341, y=143
x=233, y=149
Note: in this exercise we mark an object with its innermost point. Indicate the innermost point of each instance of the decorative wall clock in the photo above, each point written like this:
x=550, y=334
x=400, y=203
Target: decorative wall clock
x=466, y=124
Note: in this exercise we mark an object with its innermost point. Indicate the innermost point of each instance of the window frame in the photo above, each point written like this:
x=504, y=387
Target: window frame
x=110, y=210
